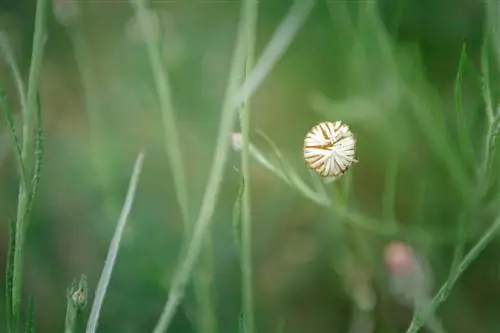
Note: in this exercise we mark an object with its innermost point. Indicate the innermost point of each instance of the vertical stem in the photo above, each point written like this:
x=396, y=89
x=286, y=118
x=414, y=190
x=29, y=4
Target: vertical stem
x=202, y=280
x=251, y=11
x=24, y=191
x=92, y=109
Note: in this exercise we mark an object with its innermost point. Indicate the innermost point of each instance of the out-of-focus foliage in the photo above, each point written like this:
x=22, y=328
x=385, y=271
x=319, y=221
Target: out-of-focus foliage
x=386, y=70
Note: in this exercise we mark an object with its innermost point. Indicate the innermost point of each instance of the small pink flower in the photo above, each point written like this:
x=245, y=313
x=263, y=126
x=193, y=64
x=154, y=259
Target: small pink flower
x=410, y=278
x=398, y=257
x=236, y=141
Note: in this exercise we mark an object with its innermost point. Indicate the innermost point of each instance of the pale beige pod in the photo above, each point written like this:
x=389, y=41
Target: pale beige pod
x=330, y=149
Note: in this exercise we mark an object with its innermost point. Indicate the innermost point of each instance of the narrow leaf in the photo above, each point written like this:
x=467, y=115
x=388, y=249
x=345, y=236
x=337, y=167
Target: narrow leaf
x=30, y=321
x=109, y=264
x=10, y=275
x=7, y=108
x=237, y=214
x=462, y=121
x=39, y=152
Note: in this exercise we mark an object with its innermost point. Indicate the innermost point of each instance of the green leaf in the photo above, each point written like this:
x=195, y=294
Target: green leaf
x=30, y=321
x=7, y=108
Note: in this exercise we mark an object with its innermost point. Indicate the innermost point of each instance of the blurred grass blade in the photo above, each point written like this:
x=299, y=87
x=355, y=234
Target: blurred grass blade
x=418, y=322
x=77, y=296
x=276, y=47
x=281, y=326
x=189, y=259
x=163, y=90
x=10, y=58
x=462, y=128
x=237, y=214
x=7, y=108
x=30, y=321
x=39, y=39
x=492, y=116
x=232, y=101
x=283, y=164
x=251, y=13
x=114, y=247
x=9, y=274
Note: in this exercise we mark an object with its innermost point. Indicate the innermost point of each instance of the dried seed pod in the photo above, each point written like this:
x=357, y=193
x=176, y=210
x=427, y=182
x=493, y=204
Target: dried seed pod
x=329, y=149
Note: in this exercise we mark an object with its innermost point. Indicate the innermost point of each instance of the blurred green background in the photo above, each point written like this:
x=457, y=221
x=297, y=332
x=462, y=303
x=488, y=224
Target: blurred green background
x=344, y=64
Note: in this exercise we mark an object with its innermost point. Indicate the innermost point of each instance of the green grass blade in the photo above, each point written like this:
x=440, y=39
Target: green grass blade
x=8, y=53
x=237, y=214
x=9, y=275
x=234, y=98
x=30, y=321
x=114, y=247
x=462, y=121
x=418, y=322
x=7, y=108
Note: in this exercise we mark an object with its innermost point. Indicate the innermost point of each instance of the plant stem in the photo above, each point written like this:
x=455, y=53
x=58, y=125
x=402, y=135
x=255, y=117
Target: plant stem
x=234, y=98
x=251, y=12
x=14, y=68
x=24, y=191
x=114, y=247
x=183, y=274
x=202, y=281
x=443, y=293
x=162, y=85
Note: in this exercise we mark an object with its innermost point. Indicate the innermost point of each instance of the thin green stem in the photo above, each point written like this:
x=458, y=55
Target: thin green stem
x=114, y=246
x=251, y=12
x=443, y=293
x=462, y=129
x=202, y=281
x=28, y=126
x=232, y=102
x=14, y=68
x=182, y=275
x=162, y=84
x=92, y=108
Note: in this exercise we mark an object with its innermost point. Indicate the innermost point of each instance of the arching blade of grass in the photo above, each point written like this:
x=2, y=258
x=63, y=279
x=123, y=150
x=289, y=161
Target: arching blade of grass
x=114, y=247
x=233, y=100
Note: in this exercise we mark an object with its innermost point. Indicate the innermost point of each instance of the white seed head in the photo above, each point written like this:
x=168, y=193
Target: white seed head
x=330, y=148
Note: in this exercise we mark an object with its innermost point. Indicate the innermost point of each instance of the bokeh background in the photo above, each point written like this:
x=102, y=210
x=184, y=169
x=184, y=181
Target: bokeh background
x=100, y=108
